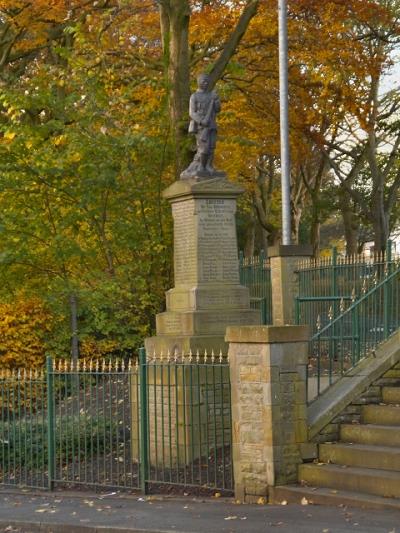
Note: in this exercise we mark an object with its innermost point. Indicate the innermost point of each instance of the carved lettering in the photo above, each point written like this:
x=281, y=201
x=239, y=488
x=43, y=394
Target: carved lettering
x=185, y=260
x=217, y=241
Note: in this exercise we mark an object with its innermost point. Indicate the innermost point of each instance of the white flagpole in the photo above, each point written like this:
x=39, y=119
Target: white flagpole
x=284, y=122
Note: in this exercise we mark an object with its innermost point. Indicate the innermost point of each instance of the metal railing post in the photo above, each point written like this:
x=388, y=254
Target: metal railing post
x=144, y=455
x=50, y=423
x=241, y=268
x=386, y=291
x=297, y=311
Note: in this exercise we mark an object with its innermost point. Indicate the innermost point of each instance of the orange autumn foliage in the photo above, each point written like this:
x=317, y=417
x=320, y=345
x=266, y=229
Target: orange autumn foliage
x=23, y=328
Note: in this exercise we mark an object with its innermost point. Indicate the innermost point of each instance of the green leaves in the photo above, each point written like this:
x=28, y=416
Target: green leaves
x=80, y=206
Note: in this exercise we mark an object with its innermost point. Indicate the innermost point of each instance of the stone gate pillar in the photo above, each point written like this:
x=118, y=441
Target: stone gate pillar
x=269, y=406
x=284, y=280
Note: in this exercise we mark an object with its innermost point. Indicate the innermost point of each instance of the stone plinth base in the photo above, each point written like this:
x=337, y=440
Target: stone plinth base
x=269, y=406
x=208, y=297
x=189, y=413
x=204, y=322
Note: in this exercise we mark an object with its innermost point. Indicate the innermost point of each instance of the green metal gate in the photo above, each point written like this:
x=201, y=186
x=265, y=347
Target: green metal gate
x=118, y=424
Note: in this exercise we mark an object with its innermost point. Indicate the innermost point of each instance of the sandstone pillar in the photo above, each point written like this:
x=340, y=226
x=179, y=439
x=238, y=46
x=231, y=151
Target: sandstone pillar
x=207, y=296
x=284, y=260
x=269, y=406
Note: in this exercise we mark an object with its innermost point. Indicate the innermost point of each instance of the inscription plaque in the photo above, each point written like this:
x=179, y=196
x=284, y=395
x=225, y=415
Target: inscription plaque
x=217, y=246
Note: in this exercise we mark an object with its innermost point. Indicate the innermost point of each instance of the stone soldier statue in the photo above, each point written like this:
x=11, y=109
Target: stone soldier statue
x=203, y=108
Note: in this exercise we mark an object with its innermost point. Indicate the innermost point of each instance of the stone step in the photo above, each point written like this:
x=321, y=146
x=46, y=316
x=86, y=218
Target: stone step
x=324, y=496
x=354, y=479
x=370, y=434
x=391, y=395
x=361, y=455
x=384, y=415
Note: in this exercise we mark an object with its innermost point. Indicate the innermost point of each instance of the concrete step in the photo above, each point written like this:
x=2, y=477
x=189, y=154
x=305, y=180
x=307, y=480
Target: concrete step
x=361, y=455
x=324, y=496
x=391, y=395
x=384, y=415
x=354, y=479
x=370, y=434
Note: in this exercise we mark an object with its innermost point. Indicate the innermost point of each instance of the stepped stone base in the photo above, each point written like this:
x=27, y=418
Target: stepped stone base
x=204, y=322
x=208, y=297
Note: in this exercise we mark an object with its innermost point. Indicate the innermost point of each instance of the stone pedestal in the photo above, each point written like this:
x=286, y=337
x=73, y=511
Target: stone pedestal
x=269, y=406
x=207, y=296
x=284, y=282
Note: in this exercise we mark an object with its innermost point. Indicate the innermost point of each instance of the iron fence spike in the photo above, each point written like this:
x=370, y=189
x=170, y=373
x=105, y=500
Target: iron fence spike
x=353, y=295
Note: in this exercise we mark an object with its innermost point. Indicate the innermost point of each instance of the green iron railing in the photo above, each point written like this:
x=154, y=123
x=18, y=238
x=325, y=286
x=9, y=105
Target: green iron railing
x=255, y=273
x=189, y=418
x=23, y=428
x=68, y=425
x=117, y=424
x=328, y=284
x=353, y=335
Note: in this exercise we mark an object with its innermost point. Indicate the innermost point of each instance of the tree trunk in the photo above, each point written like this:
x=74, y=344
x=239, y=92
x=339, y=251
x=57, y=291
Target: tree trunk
x=174, y=20
x=379, y=222
x=296, y=218
x=315, y=235
x=350, y=222
x=250, y=237
x=74, y=327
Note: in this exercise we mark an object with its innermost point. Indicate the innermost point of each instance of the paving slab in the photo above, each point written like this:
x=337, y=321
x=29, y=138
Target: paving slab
x=59, y=512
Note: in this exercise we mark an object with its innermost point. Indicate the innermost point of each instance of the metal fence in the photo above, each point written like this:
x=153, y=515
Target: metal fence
x=329, y=285
x=124, y=425
x=255, y=274
x=339, y=345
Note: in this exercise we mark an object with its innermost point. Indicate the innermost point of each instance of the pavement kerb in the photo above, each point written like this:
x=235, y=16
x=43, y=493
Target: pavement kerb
x=119, y=496
x=46, y=527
